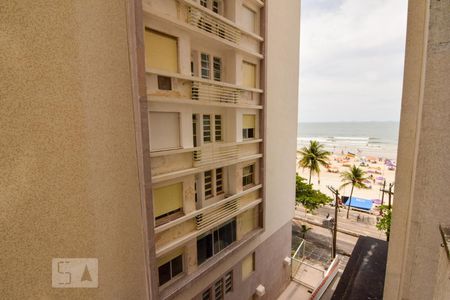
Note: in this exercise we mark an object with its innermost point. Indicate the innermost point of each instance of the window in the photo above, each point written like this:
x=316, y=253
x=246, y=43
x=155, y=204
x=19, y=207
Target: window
x=217, y=68
x=164, y=83
x=221, y=287
x=168, y=200
x=208, y=184
x=215, y=241
x=164, y=130
x=248, y=126
x=218, y=128
x=207, y=294
x=248, y=266
x=248, y=19
x=219, y=181
x=206, y=128
x=205, y=65
x=170, y=266
x=211, y=133
x=248, y=175
x=218, y=290
x=215, y=6
x=210, y=177
x=194, y=130
x=204, y=3
x=249, y=74
x=161, y=51
x=228, y=279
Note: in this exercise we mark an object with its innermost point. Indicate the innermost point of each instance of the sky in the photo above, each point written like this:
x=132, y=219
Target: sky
x=351, y=60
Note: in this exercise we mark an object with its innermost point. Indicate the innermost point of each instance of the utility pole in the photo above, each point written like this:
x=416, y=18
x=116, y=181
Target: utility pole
x=390, y=194
x=382, y=194
x=334, y=230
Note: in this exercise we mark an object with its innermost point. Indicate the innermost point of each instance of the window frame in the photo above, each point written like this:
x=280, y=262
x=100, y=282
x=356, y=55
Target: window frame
x=246, y=183
x=205, y=65
x=213, y=131
x=173, y=214
x=207, y=128
x=255, y=74
x=214, y=182
x=248, y=133
x=210, y=65
x=163, y=34
x=254, y=13
x=211, y=235
x=217, y=68
x=218, y=132
x=226, y=281
x=160, y=79
x=173, y=277
x=219, y=181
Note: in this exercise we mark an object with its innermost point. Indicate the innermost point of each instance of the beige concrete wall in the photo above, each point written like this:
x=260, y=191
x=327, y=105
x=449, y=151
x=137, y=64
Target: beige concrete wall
x=283, y=28
x=68, y=154
x=416, y=268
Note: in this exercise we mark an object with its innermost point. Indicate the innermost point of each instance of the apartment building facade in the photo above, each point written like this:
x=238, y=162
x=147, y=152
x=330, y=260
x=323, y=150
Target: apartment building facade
x=205, y=81
x=153, y=136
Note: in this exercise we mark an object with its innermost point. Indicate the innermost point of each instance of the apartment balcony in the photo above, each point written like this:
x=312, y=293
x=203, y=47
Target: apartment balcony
x=174, y=234
x=214, y=153
x=215, y=93
x=176, y=163
x=199, y=91
x=211, y=24
x=203, y=23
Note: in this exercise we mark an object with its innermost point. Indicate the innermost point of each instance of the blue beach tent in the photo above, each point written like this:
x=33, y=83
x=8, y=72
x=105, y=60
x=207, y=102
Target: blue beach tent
x=360, y=203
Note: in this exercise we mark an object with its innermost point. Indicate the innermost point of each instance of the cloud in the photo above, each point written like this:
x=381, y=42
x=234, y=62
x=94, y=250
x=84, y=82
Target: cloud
x=351, y=59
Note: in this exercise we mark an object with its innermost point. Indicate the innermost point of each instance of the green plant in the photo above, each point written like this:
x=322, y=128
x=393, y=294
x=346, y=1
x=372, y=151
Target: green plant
x=304, y=230
x=354, y=177
x=312, y=157
x=310, y=199
x=384, y=223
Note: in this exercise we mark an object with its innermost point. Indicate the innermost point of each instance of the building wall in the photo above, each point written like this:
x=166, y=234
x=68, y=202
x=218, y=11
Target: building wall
x=279, y=131
x=70, y=183
x=417, y=266
x=75, y=164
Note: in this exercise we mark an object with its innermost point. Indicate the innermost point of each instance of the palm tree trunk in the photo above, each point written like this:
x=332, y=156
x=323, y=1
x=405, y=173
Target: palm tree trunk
x=310, y=172
x=350, y=201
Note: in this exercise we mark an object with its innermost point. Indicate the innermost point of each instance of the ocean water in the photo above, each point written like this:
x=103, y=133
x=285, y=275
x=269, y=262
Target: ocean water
x=378, y=139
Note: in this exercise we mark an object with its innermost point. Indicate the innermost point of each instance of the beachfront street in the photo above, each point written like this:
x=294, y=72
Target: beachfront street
x=365, y=225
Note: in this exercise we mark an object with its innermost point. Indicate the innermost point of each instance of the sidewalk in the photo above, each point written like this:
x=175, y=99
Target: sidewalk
x=366, y=225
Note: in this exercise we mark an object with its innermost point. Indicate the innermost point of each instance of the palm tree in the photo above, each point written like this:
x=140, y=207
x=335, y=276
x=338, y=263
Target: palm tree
x=355, y=177
x=312, y=157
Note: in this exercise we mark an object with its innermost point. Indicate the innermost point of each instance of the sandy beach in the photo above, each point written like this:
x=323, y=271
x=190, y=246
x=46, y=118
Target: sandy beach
x=374, y=166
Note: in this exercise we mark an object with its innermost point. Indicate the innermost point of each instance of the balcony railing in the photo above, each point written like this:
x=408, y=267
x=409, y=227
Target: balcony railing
x=215, y=93
x=213, y=25
x=222, y=212
x=214, y=153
